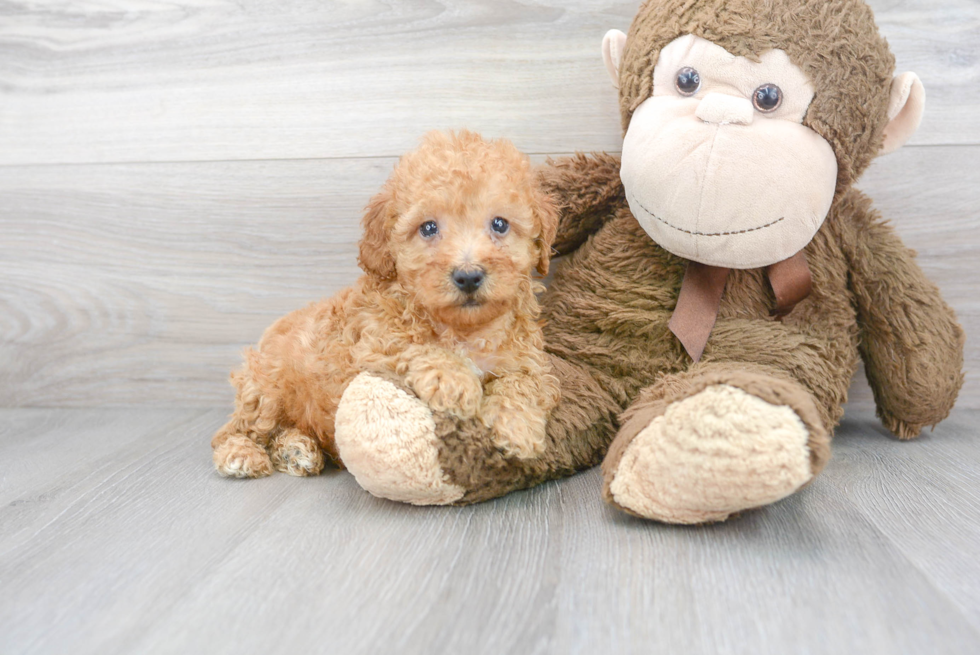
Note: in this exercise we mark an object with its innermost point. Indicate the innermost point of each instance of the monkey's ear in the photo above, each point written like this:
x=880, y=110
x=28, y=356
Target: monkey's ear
x=908, y=101
x=613, y=45
x=375, y=255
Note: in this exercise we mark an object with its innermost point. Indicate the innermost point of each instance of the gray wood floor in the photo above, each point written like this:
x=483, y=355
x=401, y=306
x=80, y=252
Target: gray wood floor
x=176, y=174
x=119, y=538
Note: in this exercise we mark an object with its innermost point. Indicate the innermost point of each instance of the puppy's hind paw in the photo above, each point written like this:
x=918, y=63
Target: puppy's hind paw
x=240, y=457
x=296, y=454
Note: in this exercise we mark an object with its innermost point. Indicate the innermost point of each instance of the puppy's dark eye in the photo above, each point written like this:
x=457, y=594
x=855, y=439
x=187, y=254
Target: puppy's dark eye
x=767, y=98
x=499, y=225
x=688, y=81
x=428, y=229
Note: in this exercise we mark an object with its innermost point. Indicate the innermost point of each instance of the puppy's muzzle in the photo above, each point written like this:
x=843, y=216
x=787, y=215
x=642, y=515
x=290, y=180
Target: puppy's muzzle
x=468, y=280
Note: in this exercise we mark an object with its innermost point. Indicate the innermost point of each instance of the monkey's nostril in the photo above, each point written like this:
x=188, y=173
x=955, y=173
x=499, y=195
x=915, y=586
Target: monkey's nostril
x=468, y=281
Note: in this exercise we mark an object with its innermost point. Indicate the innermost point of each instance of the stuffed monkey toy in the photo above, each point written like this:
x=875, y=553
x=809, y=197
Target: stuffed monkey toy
x=723, y=278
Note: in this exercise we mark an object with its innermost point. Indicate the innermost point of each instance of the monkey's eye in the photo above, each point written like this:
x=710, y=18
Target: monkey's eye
x=767, y=98
x=688, y=81
x=499, y=225
x=428, y=229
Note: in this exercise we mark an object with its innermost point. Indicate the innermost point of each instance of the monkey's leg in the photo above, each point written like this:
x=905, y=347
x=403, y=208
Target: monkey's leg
x=398, y=449
x=578, y=434
x=712, y=441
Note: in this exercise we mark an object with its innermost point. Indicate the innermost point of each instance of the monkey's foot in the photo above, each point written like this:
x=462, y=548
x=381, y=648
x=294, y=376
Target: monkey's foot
x=708, y=456
x=386, y=438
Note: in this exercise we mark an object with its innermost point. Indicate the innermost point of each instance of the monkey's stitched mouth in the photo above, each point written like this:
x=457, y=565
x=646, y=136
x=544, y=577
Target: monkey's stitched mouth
x=704, y=234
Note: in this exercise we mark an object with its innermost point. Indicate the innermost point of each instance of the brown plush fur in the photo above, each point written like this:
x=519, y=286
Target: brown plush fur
x=610, y=302
x=477, y=356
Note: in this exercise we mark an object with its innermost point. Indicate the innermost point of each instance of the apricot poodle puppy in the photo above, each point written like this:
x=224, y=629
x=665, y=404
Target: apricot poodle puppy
x=447, y=306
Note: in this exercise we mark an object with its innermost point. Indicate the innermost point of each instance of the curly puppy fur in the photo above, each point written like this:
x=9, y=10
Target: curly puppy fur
x=473, y=353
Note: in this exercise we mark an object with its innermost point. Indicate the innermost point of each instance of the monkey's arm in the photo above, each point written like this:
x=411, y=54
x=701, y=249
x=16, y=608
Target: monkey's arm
x=911, y=343
x=586, y=189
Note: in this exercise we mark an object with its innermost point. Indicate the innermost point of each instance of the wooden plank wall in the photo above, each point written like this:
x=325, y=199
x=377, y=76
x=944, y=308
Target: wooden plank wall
x=174, y=175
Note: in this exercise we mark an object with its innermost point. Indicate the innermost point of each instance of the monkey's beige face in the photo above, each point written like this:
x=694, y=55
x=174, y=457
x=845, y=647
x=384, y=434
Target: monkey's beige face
x=717, y=164
x=466, y=250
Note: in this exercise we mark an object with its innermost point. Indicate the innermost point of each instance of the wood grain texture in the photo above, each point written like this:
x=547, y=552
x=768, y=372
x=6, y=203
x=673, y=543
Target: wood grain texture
x=916, y=496
x=140, y=547
x=178, y=80
x=139, y=284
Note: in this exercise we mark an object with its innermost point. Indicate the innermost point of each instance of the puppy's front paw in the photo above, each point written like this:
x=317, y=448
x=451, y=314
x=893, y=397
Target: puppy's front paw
x=517, y=432
x=447, y=389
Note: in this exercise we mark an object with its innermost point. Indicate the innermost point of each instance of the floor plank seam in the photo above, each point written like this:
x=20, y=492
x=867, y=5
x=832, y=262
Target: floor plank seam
x=341, y=158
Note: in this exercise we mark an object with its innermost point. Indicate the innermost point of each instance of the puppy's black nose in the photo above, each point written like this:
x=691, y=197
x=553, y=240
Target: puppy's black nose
x=468, y=281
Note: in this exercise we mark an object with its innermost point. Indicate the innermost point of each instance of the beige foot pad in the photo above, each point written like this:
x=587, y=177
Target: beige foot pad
x=717, y=452
x=386, y=439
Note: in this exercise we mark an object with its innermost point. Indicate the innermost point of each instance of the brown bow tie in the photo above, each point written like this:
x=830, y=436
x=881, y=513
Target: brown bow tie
x=703, y=286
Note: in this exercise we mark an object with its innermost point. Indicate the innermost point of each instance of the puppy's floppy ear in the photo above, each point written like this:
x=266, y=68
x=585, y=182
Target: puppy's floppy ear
x=547, y=216
x=375, y=254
